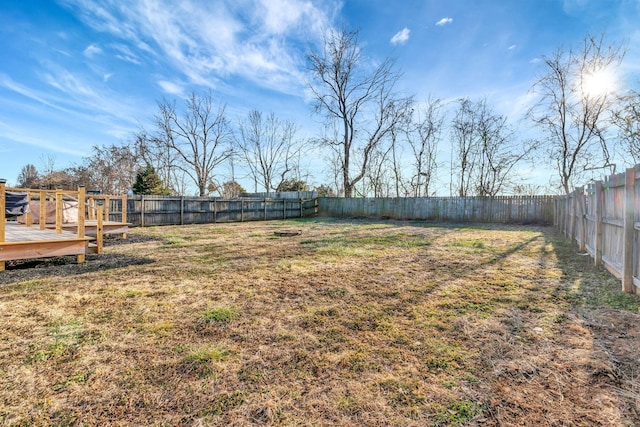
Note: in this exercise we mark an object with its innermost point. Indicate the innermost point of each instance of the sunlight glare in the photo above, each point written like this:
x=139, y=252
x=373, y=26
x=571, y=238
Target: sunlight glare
x=599, y=83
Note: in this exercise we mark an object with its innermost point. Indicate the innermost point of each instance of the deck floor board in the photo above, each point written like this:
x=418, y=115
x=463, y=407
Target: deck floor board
x=21, y=233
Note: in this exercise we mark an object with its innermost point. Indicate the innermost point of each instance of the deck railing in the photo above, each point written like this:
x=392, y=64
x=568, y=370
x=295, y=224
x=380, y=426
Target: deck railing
x=86, y=208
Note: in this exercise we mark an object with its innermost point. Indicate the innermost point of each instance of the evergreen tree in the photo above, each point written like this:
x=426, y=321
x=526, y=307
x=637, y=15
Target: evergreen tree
x=148, y=182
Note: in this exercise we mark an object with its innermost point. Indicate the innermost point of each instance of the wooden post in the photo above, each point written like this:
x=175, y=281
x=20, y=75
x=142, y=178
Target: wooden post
x=142, y=211
x=43, y=209
x=28, y=218
x=99, y=230
x=3, y=212
x=59, y=208
x=301, y=209
x=215, y=211
x=581, y=217
x=284, y=209
x=598, y=231
x=181, y=210
x=265, y=209
x=629, y=231
x=241, y=210
x=107, y=207
x=125, y=200
x=92, y=207
x=81, y=208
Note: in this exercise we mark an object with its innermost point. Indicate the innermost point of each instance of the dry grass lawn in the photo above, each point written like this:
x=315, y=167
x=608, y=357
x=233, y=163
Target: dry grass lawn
x=351, y=323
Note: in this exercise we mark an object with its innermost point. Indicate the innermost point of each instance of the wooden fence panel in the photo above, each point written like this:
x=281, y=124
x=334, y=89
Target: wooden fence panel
x=604, y=220
x=613, y=224
x=177, y=210
x=520, y=210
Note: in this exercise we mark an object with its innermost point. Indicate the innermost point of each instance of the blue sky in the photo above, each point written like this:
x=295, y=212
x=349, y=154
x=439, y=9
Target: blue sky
x=79, y=73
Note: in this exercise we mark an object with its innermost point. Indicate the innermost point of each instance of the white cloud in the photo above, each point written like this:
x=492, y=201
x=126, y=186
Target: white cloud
x=261, y=40
x=171, y=87
x=535, y=61
x=401, y=36
x=126, y=54
x=92, y=50
x=512, y=47
x=444, y=21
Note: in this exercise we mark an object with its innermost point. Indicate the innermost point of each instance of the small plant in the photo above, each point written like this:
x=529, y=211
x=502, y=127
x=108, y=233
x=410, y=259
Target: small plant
x=173, y=240
x=76, y=379
x=219, y=314
x=207, y=354
x=458, y=413
x=200, y=361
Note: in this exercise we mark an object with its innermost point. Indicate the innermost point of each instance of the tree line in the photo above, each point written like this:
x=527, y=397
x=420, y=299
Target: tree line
x=376, y=140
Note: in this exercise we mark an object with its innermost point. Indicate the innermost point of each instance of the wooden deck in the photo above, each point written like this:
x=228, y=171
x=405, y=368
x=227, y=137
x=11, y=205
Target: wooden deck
x=91, y=227
x=37, y=239
x=22, y=242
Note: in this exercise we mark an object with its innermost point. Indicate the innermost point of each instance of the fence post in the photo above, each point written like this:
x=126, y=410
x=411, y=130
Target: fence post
x=59, y=208
x=215, y=211
x=581, y=218
x=241, y=210
x=107, y=210
x=125, y=200
x=284, y=209
x=181, y=210
x=265, y=209
x=567, y=209
x=99, y=228
x=301, y=209
x=81, y=208
x=142, y=211
x=598, y=231
x=629, y=231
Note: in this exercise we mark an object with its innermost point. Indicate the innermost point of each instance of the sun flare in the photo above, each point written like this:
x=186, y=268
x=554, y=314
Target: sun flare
x=599, y=83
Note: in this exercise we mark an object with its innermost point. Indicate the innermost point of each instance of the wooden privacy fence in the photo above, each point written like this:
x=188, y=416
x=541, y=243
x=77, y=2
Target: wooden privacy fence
x=507, y=209
x=179, y=210
x=604, y=219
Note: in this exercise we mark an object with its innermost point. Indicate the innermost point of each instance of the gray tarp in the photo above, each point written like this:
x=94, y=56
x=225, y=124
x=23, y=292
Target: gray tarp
x=17, y=203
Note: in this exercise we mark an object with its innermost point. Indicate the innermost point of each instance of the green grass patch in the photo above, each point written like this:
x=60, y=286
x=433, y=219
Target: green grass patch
x=219, y=314
x=457, y=414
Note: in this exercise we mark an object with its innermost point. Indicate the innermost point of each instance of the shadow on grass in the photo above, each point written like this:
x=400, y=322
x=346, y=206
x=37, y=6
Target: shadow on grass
x=586, y=284
x=30, y=269
x=132, y=238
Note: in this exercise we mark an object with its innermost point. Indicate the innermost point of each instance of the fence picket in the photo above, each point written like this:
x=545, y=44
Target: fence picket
x=612, y=207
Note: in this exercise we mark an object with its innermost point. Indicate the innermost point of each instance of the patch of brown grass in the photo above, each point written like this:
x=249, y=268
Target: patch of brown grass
x=350, y=323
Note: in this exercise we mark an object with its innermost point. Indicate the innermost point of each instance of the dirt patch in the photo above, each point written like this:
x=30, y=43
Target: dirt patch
x=349, y=323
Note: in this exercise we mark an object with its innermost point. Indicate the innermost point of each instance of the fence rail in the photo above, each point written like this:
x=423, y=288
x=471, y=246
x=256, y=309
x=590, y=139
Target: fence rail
x=604, y=220
x=179, y=210
x=507, y=209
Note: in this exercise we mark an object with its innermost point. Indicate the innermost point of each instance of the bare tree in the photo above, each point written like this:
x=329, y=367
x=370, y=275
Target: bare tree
x=269, y=148
x=423, y=136
x=378, y=180
x=487, y=150
x=571, y=112
x=500, y=152
x=111, y=169
x=194, y=143
x=465, y=147
x=627, y=120
x=47, y=171
x=29, y=177
x=360, y=105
